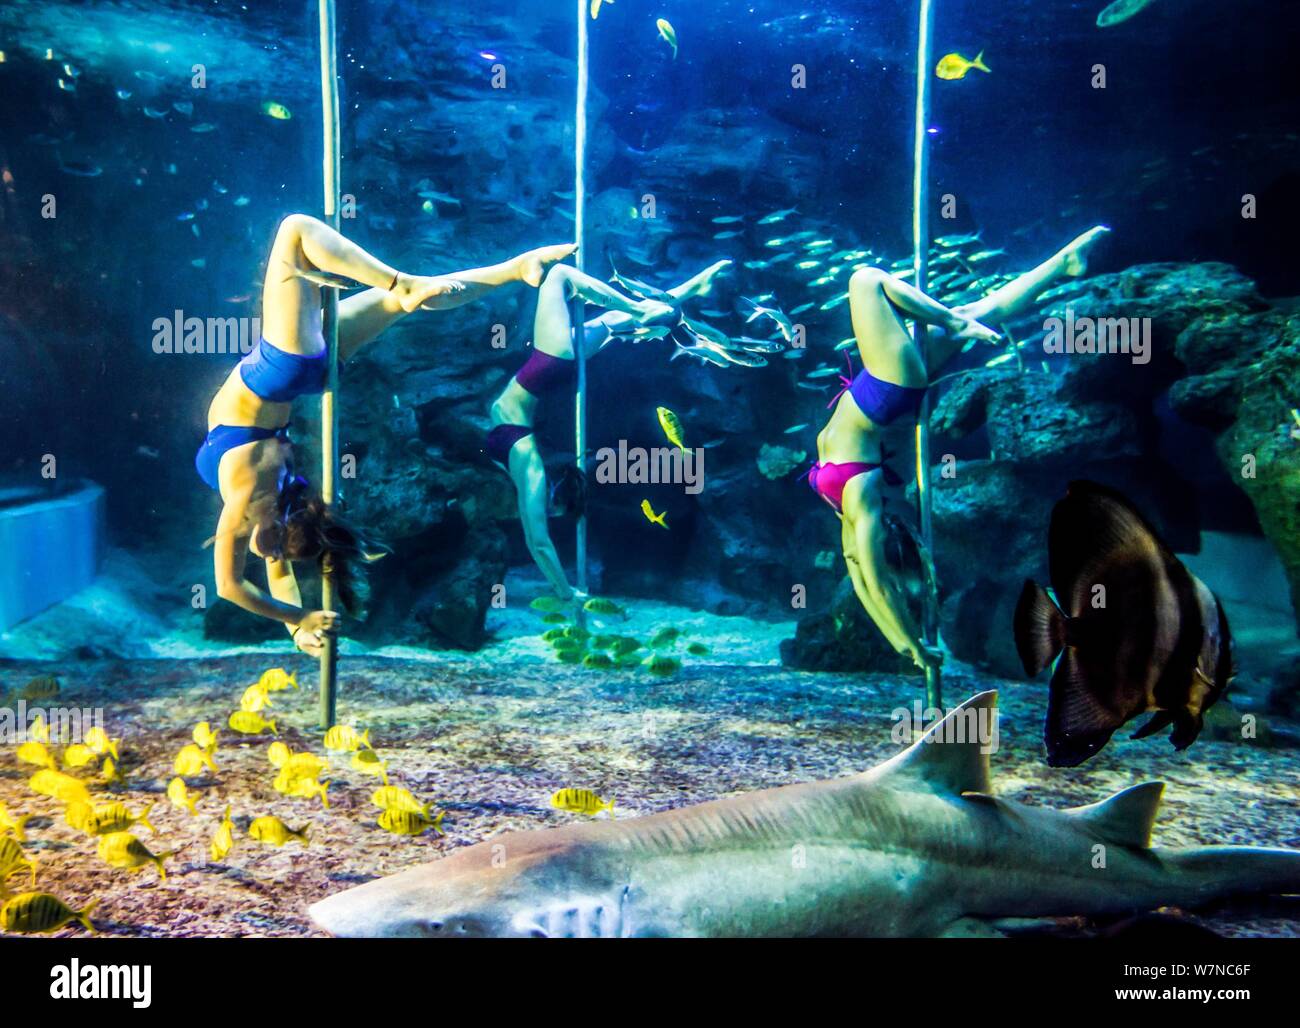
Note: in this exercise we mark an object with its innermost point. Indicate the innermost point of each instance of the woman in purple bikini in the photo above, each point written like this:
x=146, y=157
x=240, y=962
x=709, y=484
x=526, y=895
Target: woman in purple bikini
x=549, y=371
x=267, y=510
x=875, y=418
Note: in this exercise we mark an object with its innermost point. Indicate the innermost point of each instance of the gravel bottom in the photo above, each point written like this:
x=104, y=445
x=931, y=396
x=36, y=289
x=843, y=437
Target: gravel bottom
x=488, y=741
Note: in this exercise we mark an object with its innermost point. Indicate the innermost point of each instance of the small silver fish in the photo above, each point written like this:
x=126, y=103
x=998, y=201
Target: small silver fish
x=775, y=216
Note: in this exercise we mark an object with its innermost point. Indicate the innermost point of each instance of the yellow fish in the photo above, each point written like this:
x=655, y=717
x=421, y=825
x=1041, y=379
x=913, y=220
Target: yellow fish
x=204, y=737
x=344, y=739
x=955, y=66
x=277, y=680
x=302, y=787
x=41, y=912
x=652, y=517
x=109, y=818
x=274, y=832
x=191, y=761
x=223, y=840
x=78, y=815
x=78, y=755
x=394, y=797
x=255, y=698
x=35, y=753
x=275, y=110
x=108, y=772
x=97, y=739
x=672, y=426
x=124, y=850
x=368, y=763
x=582, y=801
x=668, y=34
x=181, y=797
x=9, y=823
x=278, y=754
x=39, y=729
x=409, y=822
x=595, y=7
x=249, y=722
x=12, y=858
x=59, y=786
x=304, y=765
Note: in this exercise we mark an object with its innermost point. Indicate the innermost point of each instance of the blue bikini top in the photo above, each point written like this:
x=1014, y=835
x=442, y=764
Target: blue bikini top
x=884, y=402
x=880, y=402
x=279, y=376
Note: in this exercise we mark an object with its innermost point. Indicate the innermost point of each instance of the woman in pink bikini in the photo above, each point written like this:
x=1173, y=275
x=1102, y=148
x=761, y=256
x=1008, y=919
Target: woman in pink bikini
x=875, y=419
x=550, y=370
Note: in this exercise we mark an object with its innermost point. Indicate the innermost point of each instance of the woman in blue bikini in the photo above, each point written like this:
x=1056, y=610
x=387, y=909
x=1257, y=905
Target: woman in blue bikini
x=267, y=509
x=875, y=418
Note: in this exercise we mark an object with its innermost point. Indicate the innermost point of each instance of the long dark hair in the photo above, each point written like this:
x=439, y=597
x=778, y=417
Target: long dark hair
x=911, y=563
x=567, y=496
x=305, y=527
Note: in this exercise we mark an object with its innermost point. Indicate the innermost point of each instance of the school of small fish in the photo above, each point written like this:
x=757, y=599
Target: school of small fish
x=109, y=822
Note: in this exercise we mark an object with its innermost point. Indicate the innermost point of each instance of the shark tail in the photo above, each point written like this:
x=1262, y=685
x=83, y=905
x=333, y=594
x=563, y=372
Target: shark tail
x=1215, y=872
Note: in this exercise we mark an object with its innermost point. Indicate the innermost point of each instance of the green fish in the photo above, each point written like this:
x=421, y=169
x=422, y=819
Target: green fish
x=624, y=645
x=552, y=634
x=659, y=664
x=554, y=618
x=277, y=111
x=600, y=661
x=547, y=604
x=600, y=605
x=698, y=649
x=665, y=637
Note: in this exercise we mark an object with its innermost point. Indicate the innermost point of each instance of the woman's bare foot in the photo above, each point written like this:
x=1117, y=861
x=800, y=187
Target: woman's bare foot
x=964, y=327
x=709, y=274
x=533, y=264
x=653, y=311
x=414, y=291
x=1075, y=254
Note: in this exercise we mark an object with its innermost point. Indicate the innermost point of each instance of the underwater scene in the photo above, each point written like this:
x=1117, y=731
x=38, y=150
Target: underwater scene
x=617, y=469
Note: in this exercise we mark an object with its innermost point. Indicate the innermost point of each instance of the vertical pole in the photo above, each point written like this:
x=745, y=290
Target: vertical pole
x=578, y=315
x=329, y=418
x=920, y=268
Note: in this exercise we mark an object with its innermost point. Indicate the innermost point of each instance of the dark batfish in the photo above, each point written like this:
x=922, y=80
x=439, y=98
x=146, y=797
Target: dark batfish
x=1152, y=638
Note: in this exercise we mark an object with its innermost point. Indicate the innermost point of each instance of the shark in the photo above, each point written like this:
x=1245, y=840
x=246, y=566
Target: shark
x=917, y=846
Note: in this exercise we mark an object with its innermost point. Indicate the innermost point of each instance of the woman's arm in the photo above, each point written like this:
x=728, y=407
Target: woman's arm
x=228, y=559
x=529, y=475
x=863, y=507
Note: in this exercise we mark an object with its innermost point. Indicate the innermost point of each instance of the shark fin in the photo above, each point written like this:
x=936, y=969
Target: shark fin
x=950, y=757
x=1125, y=818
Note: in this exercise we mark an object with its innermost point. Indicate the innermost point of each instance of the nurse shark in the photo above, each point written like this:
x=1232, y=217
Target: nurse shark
x=916, y=846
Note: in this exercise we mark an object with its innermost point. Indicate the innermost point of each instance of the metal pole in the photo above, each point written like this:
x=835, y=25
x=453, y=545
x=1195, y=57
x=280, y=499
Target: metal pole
x=329, y=418
x=920, y=268
x=578, y=315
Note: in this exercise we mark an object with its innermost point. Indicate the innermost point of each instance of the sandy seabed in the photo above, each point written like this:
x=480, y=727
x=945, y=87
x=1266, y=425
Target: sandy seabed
x=488, y=740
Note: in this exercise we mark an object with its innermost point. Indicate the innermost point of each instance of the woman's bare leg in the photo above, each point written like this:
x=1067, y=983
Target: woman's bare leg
x=878, y=303
x=1011, y=299
x=1020, y=292
x=552, y=325
x=528, y=267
